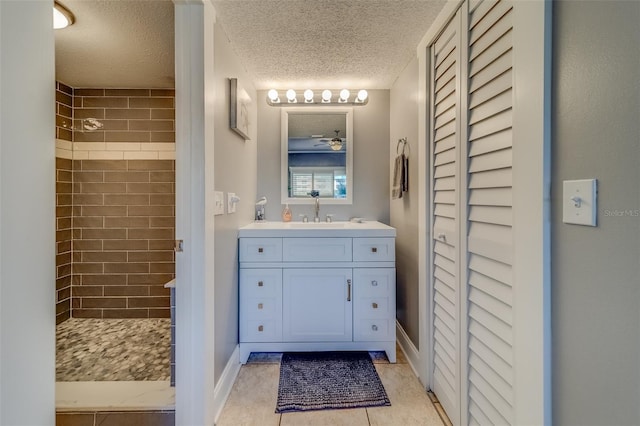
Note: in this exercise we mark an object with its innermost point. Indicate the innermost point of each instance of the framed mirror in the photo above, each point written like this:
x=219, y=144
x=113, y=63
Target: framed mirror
x=317, y=155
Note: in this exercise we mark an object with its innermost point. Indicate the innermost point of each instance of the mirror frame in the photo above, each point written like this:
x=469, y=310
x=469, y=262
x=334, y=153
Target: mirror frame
x=284, y=153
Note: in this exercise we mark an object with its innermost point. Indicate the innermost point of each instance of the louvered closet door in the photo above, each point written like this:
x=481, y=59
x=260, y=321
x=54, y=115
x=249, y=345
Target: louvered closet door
x=490, y=364
x=445, y=142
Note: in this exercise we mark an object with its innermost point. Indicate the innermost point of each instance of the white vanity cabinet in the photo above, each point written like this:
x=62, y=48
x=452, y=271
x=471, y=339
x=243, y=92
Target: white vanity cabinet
x=317, y=287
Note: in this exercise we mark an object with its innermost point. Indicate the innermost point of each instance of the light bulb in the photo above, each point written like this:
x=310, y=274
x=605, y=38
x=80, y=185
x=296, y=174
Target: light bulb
x=62, y=17
x=273, y=95
x=308, y=96
x=362, y=95
x=344, y=95
x=291, y=96
x=326, y=96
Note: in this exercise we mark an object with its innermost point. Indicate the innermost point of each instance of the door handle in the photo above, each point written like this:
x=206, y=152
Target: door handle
x=348, y=290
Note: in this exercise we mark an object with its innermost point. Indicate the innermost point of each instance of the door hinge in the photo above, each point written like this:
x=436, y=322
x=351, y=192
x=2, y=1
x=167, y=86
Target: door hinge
x=178, y=246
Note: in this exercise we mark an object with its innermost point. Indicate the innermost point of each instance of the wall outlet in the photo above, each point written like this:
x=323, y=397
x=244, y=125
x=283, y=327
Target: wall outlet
x=218, y=203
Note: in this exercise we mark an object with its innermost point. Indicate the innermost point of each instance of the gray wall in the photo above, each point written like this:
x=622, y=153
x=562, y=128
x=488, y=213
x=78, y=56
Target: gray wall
x=404, y=211
x=27, y=217
x=370, y=162
x=595, y=271
x=235, y=171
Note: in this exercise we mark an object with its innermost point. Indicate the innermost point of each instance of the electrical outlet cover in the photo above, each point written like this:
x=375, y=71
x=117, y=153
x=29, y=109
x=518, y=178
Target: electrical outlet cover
x=218, y=203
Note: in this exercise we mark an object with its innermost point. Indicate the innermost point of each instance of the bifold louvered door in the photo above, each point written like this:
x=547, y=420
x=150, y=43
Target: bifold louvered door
x=489, y=225
x=445, y=153
x=472, y=218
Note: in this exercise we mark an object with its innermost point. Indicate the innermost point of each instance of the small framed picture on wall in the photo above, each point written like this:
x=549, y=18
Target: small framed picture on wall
x=239, y=109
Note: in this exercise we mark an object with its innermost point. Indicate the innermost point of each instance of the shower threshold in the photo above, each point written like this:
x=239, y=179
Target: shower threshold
x=115, y=396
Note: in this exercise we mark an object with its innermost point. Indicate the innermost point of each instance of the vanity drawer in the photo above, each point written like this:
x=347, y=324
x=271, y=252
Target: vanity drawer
x=316, y=249
x=374, y=330
x=261, y=330
x=260, y=283
x=374, y=250
x=260, y=249
x=374, y=282
x=374, y=307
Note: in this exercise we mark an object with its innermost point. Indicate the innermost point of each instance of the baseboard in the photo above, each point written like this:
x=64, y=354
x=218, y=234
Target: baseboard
x=408, y=348
x=225, y=384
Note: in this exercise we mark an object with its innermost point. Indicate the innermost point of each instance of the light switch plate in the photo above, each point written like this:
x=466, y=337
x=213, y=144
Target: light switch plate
x=218, y=203
x=231, y=204
x=579, y=202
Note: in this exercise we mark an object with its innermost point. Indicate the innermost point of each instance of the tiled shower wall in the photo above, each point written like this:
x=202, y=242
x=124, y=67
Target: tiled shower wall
x=123, y=238
x=64, y=118
x=120, y=201
x=63, y=238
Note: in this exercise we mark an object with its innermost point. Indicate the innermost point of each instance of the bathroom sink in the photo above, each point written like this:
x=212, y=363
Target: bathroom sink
x=317, y=229
x=318, y=225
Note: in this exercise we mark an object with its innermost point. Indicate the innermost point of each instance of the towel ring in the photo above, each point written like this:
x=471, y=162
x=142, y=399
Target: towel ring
x=405, y=146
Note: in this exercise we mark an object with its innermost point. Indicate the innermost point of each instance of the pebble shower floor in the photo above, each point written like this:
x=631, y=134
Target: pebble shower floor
x=113, y=350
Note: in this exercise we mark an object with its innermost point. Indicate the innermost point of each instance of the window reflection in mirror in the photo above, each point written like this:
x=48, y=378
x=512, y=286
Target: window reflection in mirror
x=317, y=154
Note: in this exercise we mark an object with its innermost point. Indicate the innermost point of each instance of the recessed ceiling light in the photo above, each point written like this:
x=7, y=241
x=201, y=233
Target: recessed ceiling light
x=62, y=17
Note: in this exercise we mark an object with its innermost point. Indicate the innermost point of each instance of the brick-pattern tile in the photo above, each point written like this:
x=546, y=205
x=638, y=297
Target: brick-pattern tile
x=64, y=112
x=128, y=115
x=124, y=229
x=64, y=181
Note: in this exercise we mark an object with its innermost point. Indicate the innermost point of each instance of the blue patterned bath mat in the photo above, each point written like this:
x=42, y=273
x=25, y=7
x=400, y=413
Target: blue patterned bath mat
x=328, y=380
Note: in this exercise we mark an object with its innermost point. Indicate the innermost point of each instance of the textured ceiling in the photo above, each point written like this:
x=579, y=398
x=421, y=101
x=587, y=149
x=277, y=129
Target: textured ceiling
x=117, y=44
x=326, y=43
x=281, y=43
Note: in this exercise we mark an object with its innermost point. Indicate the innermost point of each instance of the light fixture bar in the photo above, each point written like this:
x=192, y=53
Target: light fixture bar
x=311, y=97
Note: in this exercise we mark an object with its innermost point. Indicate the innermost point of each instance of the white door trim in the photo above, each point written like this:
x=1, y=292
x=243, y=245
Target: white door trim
x=531, y=203
x=195, y=381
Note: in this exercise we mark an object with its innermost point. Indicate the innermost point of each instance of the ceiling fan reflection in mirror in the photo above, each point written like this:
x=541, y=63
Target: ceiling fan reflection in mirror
x=335, y=144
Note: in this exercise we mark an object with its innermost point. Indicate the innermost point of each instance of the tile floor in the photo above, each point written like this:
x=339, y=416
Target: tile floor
x=253, y=400
x=113, y=350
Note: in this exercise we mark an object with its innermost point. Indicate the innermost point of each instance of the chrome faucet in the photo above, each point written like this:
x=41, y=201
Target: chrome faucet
x=316, y=194
x=316, y=219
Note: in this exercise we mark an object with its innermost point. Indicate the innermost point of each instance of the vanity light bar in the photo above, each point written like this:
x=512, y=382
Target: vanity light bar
x=316, y=97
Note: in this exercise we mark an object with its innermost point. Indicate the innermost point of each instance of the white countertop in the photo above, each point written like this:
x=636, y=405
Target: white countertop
x=312, y=229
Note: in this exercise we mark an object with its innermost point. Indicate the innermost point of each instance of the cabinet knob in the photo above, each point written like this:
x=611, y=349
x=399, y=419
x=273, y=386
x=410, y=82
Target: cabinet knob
x=374, y=249
x=374, y=283
x=374, y=305
x=260, y=283
x=260, y=328
x=260, y=250
x=374, y=327
x=259, y=305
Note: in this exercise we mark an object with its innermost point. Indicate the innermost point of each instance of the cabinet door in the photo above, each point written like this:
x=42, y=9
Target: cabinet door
x=374, y=309
x=317, y=305
x=260, y=305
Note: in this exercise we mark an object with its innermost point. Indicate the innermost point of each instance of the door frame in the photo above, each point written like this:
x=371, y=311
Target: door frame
x=195, y=332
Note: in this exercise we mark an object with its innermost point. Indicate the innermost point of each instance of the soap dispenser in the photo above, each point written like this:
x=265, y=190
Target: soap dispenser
x=286, y=214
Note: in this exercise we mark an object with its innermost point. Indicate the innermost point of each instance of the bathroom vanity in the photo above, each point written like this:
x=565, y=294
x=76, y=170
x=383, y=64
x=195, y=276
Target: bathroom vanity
x=317, y=287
